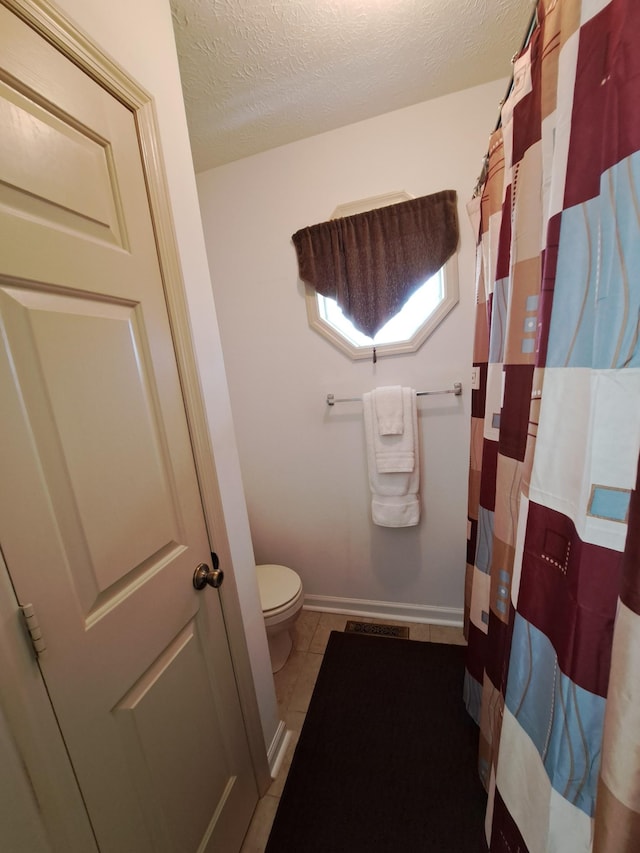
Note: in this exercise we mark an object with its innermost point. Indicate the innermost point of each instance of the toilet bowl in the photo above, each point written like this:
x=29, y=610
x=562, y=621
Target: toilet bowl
x=281, y=597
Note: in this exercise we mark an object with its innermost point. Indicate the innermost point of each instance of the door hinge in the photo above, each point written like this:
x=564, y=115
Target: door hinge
x=33, y=627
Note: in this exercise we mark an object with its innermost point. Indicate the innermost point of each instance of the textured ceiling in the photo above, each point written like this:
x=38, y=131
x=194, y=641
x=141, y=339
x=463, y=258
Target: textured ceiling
x=260, y=73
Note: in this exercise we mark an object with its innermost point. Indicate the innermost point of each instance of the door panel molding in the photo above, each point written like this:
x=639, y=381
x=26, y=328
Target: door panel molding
x=52, y=25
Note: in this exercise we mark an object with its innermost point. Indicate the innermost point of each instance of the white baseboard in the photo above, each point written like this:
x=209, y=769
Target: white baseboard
x=275, y=754
x=386, y=610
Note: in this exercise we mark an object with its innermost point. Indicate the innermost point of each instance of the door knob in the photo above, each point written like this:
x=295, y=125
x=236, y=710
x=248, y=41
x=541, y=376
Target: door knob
x=203, y=575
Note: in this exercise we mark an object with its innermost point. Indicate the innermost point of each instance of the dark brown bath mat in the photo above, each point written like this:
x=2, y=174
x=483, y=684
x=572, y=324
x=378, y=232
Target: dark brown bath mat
x=387, y=756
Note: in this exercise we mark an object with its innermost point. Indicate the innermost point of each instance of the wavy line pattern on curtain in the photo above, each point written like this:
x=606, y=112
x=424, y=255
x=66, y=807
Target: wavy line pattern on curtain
x=552, y=604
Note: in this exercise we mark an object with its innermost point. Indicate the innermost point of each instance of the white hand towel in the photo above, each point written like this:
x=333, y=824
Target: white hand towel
x=389, y=409
x=396, y=452
x=395, y=500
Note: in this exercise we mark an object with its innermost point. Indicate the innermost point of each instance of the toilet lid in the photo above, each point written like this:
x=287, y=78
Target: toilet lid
x=277, y=585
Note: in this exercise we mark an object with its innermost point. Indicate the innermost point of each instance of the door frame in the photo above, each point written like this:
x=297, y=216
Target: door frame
x=52, y=25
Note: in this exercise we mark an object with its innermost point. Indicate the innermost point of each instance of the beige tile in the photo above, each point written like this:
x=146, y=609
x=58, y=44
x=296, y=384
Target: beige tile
x=303, y=689
x=304, y=629
x=285, y=680
x=447, y=634
x=327, y=623
x=294, y=720
x=419, y=631
x=258, y=833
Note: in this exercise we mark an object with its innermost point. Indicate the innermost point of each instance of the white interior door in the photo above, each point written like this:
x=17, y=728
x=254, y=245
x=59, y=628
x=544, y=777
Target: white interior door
x=101, y=523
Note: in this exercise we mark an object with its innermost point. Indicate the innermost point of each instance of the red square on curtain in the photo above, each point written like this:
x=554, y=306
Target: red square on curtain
x=489, y=473
x=605, y=119
x=569, y=590
x=514, y=414
x=549, y=269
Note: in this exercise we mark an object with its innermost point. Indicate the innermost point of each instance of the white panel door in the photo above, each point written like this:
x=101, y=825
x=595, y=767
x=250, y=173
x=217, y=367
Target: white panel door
x=101, y=522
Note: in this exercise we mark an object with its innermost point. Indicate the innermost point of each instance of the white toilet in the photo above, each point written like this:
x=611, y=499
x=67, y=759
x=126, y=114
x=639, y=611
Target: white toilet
x=281, y=597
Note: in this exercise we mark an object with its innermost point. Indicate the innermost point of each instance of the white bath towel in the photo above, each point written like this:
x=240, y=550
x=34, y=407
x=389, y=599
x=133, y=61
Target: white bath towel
x=389, y=409
x=401, y=511
x=394, y=489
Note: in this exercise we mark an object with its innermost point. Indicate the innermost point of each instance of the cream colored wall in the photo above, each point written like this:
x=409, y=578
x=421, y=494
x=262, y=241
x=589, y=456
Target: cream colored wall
x=303, y=464
x=139, y=36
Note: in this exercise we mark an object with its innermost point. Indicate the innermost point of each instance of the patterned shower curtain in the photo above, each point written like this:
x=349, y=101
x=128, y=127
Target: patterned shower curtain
x=552, y=600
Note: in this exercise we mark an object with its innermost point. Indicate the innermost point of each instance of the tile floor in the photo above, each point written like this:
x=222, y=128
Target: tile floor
x=294, y=686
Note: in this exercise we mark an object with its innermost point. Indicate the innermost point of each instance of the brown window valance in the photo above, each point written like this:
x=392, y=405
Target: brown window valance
x=372, y=262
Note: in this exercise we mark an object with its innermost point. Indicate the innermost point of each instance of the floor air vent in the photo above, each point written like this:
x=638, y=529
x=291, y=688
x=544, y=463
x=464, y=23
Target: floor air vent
x=399, y=631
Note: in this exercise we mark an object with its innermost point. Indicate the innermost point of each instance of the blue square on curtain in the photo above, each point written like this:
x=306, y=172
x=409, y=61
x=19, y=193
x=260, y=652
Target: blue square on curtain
x=484, y=547
x=596, y=300
x=472, y=696
x=501, y=602
x=609, y=503
x=499, y=306
x=563, y=720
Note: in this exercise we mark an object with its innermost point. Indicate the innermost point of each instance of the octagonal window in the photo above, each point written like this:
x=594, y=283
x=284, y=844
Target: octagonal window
x=407, y=330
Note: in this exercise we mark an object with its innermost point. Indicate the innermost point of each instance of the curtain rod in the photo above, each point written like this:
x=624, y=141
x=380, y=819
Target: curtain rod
x=533, y=23
x=457, y=390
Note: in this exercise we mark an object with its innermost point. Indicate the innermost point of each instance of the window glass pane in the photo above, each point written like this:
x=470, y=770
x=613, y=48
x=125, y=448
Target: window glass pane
x=416, y=310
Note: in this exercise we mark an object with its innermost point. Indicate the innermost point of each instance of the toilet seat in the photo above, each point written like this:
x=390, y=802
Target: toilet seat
x=280, y=588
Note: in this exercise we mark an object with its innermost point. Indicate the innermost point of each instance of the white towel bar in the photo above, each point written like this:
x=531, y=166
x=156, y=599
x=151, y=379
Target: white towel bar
x=457, y=390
